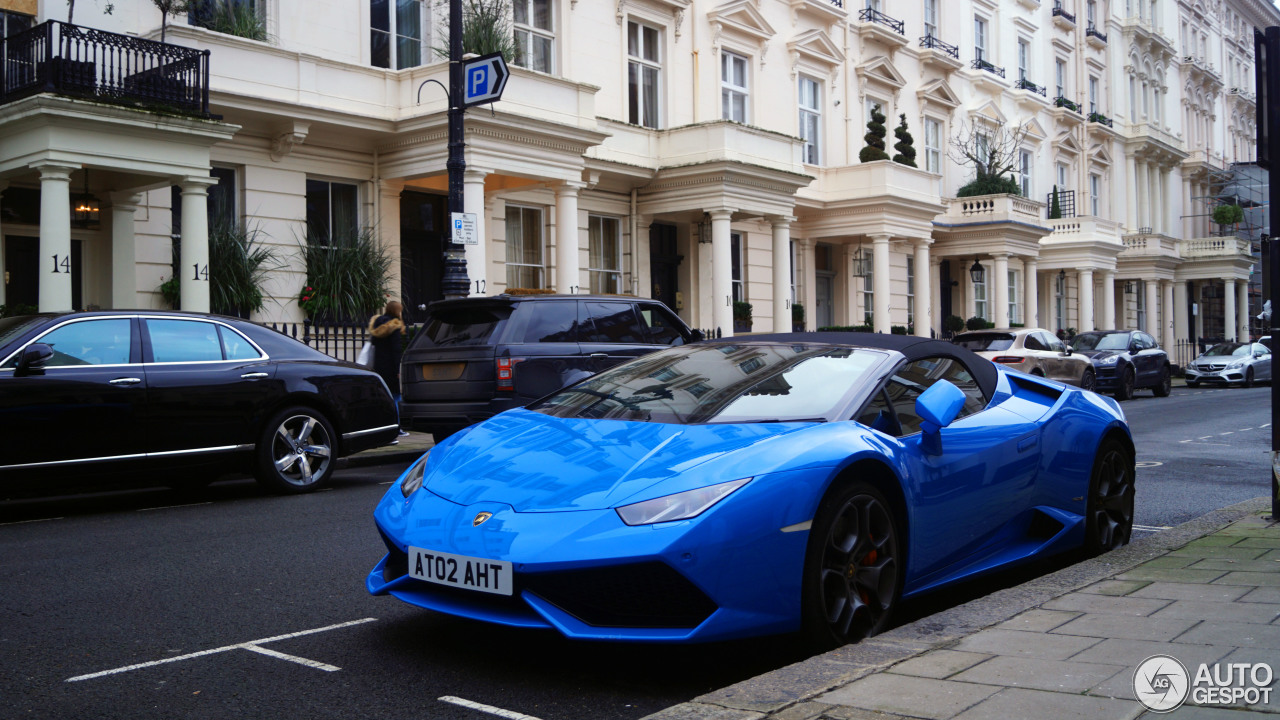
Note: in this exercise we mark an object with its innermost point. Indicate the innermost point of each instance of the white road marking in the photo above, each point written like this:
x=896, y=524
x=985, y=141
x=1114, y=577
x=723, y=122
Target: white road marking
x=1151, y=528
x=291, y=658
x=1204, y=437
x=252, y=645
x=1191, y=440
x=23, y=522
x=1244, y=429
x=509, y=714
x=168, y=507
x=387, y=483
x=1227, y=433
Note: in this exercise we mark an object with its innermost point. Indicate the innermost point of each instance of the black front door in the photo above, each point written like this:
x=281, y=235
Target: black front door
x=944, y=292
x=22, y=271
x=663, y=264
x=422, y=241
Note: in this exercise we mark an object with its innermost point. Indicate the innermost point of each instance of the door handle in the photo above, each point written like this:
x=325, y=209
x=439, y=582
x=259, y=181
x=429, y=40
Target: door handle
x=255, y=375
x=126, y=381
x=599, y=355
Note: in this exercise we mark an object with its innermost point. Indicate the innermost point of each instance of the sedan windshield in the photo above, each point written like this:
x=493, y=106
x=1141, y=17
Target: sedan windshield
x=1227, y=349
x=979, y=342
x=1100, y=341
x=722, y=383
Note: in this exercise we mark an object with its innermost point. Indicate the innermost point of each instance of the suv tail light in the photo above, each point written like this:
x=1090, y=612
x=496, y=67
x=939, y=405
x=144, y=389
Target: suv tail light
x=507, y=372
x=1009, y=359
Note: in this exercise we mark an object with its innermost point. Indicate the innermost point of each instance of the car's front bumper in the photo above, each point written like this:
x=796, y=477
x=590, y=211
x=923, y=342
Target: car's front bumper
x=1226, y=375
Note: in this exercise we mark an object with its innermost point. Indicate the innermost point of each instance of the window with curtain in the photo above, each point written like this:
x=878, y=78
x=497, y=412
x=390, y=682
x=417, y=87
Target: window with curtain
x=868, y=288
x=1024, y=59
x=1014, y=294
x=396, y=33
x=1060, y=300
x=525, y=265
x=535, y=34
x=979, y=37
x=332, y=212
x=931, y=18
x=1024, y=172
x=811, y=119
x=604, y=263
x=980, y=296
x=1095, y=195
x=644, y=74
x=733, y=86
x=1060, y=76
x=932, y=145
x=911, y=289
x=1141, y=301
x=738, y=264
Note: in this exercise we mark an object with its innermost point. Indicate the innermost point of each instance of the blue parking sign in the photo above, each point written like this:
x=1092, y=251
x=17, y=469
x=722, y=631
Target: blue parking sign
x=484, y=78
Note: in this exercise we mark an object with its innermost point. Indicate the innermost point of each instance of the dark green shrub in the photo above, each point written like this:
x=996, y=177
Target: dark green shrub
x=1228, y=214
x=898, y=330
x=953, y=323
x=349, y=275
x=874, y=138
x=906, y=152
x=1055, y=210
x=977, y=323
x=238, y=265
x=990, y=185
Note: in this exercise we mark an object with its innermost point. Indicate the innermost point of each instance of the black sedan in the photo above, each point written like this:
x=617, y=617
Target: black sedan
x=1124, y=361
x=90, y=397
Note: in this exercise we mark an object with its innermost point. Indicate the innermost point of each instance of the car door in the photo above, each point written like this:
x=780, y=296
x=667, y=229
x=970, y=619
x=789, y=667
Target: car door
x=1146, y=358
x=1262, y=362
x=1036, y=349
x=208, y=386
x=1064, y=368
x=978, y=484
x=88, y=401
x=611, y=333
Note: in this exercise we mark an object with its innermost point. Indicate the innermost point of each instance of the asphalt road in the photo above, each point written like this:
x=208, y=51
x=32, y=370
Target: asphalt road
x=200, y=589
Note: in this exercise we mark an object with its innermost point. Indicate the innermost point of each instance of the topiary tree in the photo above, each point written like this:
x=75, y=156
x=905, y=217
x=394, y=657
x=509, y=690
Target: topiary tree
x=874, y=138
x=906, y=152
x=1055, y=210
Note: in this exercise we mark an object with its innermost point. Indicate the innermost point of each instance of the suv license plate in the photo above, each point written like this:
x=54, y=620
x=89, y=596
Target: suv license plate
x=469, y=573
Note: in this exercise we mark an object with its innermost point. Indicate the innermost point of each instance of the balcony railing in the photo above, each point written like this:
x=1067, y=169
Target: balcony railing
x=838, y=3
x=1093, y=31
x=1025, y=84
x=1067, y=103
x=875, y=16
x=929, y=41
x=1059, y=11
x=1097, y=117
x=981, y=64
x=56, y=57
x=1066, y=204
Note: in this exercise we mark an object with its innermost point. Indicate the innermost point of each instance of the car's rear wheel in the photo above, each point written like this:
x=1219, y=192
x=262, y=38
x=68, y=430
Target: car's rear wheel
x=1109, y=516
x=297, y=451
x=1166, y=383
x=1124, y=390
x=853, y=569
x=1248, y=378
x=1088, y=380
x=1038, y=372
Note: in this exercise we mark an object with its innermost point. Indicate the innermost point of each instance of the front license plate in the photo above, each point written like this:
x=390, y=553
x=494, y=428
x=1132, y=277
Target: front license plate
x=470, y=573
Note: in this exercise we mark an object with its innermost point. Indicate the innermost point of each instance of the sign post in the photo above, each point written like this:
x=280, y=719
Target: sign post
x=1266, y=50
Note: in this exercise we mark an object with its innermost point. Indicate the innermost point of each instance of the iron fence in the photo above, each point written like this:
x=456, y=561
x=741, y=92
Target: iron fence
x=929, y=41
x=338, y=340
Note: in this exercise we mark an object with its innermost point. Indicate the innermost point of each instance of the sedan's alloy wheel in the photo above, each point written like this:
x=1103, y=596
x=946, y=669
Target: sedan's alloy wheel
x=301, y=450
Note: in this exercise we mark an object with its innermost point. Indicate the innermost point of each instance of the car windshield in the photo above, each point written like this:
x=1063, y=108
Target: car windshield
x=1227, y=349
x=722, y=383
x=13, y=327
x=985, y=341
x=1100, y=341
x=468, y=325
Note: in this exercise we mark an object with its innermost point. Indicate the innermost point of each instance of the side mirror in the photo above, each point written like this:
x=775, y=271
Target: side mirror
x=938, y=406
x=1066, y=350
x=696, y=335
x=33, y=357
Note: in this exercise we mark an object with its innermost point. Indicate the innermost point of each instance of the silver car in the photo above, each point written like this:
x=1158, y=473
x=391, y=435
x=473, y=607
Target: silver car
x=1034, y=351
x=1231, y=362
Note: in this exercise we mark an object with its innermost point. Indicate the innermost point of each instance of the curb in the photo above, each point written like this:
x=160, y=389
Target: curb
x=759, y=697
x=373, y=458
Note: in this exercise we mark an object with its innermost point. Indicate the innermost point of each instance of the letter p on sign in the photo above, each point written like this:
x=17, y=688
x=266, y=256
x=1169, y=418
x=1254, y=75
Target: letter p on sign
x=478, y=81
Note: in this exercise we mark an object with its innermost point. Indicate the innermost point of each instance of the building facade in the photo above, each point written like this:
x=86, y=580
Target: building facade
x=702, y=152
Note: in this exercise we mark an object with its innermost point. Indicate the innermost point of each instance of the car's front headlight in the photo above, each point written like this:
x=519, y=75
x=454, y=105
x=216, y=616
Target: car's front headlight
x=413, y=478
x=1109, y=360
x=1236, y=363
x=680, y=506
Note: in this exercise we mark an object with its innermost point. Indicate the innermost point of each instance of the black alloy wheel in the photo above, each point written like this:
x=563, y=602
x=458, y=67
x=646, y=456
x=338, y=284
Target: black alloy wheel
x=1109, y=516
x=1089, y=380
x=1248, y=378
x=853, y=567
x=1166, y=383
x=1124, y=390
x=297, y=451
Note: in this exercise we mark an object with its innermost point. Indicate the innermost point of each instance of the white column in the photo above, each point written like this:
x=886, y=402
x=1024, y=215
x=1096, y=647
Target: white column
x=55, y=238
x=721, y=272
x=124, y=257
x=1085, y=280
x=881, y=318
x=781, y=273
x=936, y=292
x=1001, y=284
x=1229, y=308
x=1166, y=338
x=477, y=255
x=1158, y=199
x=1143, y=197
x=1131, y=194
x=809, y=282
x=924, y=288
x=193, y=270
x=1153, y=304
x=1180, y=324
x=854, y=285
x=1173, y=208
x=568, y=277
x=1242, y=311
x=1031, y=292
x=1108, y=300
x=388, y=212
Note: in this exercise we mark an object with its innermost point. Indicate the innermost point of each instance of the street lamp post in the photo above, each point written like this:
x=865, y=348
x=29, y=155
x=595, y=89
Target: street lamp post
x=455, y=283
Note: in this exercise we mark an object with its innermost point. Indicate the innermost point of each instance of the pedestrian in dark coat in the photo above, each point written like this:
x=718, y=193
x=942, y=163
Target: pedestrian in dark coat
x=387, y=333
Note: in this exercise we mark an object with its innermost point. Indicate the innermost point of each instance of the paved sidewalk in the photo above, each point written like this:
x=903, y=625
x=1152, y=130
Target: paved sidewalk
x=1065, y=645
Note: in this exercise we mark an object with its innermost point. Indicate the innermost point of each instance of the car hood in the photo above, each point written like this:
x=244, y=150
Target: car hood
x=537, y=463
x=1097, y=354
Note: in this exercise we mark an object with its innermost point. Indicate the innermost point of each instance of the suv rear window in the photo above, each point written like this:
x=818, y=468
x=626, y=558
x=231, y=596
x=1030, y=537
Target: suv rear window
x=554, y=321
x=456, y=326
x=979, y=342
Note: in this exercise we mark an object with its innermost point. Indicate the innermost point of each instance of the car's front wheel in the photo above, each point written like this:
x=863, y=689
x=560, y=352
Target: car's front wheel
x=1089, y=380
x=1248, y=378
x=853, y=569
x=1124, y=390
x=1166, y=383
x=1109, y=515
x=296, y=451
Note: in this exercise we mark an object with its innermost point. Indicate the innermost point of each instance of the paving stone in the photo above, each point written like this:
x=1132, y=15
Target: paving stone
x=906, y=695
x=1224, y=553
x=802, y=711
x=848, y=713
x=1250, y=531
x=1084, y=602
x=1123, y=626
x=1248, y=578
x=1128, y=653
x=1259, y=594
x=939, y=663
x=1205, y=593
x=1256, y=542
x=1217, y=541
x=1038, y=620
x=1118, y=687
x=1192, y=712
x=1239, y=634
x=1270, y=656
x=1181, y=575
x=1259, y=566
x=1020, y=703
x=1025, y=644
x=1230, y=612
x=1169, y=562
x=1053, y=675
x=1115, y=587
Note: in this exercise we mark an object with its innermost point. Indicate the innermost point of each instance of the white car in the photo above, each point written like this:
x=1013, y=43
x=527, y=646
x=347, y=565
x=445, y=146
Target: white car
x=1034, y=351
x=1231, y=362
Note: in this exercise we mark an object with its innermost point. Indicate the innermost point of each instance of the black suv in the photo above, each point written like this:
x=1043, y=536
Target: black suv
x=462, y=364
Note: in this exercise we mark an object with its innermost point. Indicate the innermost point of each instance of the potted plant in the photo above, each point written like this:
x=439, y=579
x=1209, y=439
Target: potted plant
x=349, y=272
x=238, y=265
x=741, y=316
x=874, y=139
x=1226, y=215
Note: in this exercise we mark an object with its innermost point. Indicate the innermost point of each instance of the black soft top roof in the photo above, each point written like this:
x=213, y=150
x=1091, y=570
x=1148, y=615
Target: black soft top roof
x=912, y=347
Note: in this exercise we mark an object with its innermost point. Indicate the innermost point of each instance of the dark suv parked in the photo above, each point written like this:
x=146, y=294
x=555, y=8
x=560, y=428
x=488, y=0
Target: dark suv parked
x=1125, y=360
x=462, y=364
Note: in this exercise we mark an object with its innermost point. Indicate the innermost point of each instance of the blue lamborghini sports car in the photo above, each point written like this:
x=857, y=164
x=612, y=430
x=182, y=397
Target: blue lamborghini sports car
x=740, y=487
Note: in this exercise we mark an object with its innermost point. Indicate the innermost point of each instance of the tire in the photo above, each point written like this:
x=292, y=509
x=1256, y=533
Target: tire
x=1038, y=372
x=1089, y=380
x=1109, y=515
x=297, y=451
x=853, y=568
x=1124, y=390
x=1248, y=378
x=1166, y=383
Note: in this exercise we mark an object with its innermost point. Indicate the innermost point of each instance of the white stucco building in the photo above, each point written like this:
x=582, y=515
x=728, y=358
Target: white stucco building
x=697, y=151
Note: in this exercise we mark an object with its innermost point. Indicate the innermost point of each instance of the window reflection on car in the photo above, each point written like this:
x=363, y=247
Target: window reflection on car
x=1227, y=349
x=1100, y=341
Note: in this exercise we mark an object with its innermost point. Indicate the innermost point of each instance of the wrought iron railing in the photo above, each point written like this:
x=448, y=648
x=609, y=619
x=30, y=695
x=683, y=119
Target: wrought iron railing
x=1097, y=117
x=1025, y=84
x=1067, y=103
x=875, y=16
x=838, y=3
x=56, y=57
x=981, y=64
x=1059, y=11
x=1093, y=31
x=929, y=41
x=1066, y=204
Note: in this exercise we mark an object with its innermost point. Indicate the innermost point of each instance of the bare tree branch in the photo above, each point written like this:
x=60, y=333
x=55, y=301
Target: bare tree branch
x=990, y=147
